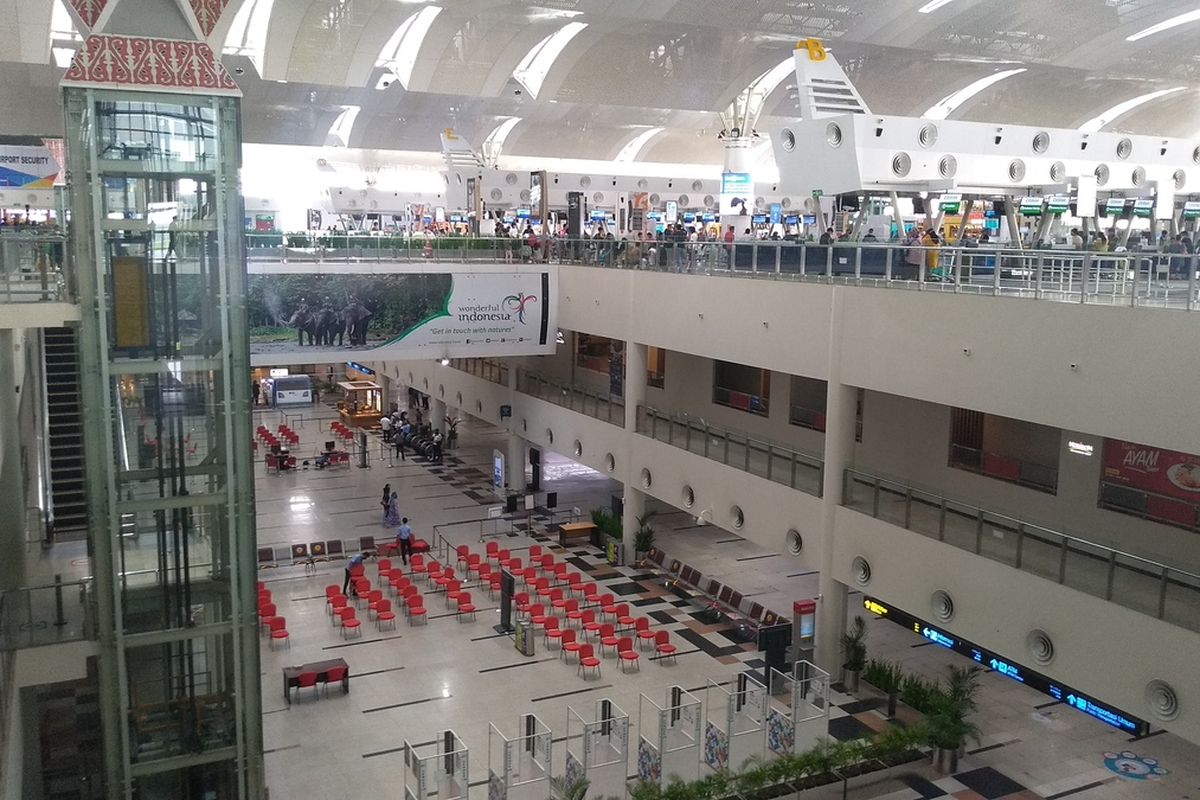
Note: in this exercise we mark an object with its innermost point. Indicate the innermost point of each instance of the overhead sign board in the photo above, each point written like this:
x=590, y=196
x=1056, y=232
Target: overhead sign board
x=29, y=162
x=1114, y=206
x=950, y=203
x=1058, y=204
x=1031, y=207
x=305, y=316
x=1143, y=207
x=1010, y=669
x=1191, y=210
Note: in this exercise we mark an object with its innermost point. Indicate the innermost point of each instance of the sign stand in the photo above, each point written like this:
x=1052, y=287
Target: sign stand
x=735, y=729
x=669, y=737
x=798, y=709
x=438, y=770
x=519, y=768
x=598, y=749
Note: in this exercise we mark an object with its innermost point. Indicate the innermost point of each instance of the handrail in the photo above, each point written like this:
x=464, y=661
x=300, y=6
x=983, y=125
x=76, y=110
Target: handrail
x=1140, y=278
x=758, y=456
x=531, y=383
x=32, y=616
x=1136, y=582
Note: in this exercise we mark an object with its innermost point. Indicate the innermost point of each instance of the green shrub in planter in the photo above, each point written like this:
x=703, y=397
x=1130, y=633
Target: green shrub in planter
x=919, y=693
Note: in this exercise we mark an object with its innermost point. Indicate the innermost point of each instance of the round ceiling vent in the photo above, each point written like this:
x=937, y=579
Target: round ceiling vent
x=795, y=542
x=1041, y=142
x=585, y=181
x=1101, y=174
x=1016, y=170
x=647, y=478
x=833, y=135
x=496, y=195
x=655, y=199
x=788, y=140
x=642, y=184
x=948, y=166
x=598, y=198
x=610, y=463
x=1058, y=171
x=1196, y=155
x=525, y=195
x=1180, y=179
x=1139, y=176
x=737, y=517
x=785, y=202
x=1163, y=701
x=709, y=200
x=760, y=202
x=697, y=186
x=942, y=605
x=684, y=200
x=511, y=179
x=1040, y=646
x=901, y=164
x=1124, y=148
x=928, y=136
x=578, y=448
x=860, y=568
x=689, y=497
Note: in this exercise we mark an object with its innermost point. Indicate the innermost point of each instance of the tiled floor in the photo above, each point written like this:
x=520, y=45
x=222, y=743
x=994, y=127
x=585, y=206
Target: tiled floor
x=412, y=683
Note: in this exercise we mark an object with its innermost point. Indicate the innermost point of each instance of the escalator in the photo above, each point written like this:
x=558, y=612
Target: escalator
x=65, y=434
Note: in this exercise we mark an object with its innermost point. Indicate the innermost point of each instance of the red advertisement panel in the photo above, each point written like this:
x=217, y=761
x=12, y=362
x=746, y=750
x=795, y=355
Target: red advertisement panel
x=1151, y=469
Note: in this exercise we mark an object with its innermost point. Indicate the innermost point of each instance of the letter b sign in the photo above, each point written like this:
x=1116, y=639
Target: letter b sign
x=816, y=50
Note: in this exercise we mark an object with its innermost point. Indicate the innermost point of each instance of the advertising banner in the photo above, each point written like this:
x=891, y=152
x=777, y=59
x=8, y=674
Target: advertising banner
x=405, y=312
x=1151, y=469
x=29, y=162
x=737, y=197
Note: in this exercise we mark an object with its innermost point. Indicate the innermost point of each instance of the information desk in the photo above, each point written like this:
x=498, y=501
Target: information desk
x=291, y=675
x=575, y=530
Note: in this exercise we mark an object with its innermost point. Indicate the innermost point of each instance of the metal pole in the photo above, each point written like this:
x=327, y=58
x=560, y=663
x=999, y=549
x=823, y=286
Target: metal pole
x=1010, y=213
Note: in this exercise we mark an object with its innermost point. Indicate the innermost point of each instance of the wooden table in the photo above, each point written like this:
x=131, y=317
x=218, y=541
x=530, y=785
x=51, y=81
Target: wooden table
x=575, y=530
x=291, y=675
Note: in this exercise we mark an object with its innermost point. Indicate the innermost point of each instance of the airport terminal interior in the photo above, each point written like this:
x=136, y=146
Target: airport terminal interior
x=590, y=400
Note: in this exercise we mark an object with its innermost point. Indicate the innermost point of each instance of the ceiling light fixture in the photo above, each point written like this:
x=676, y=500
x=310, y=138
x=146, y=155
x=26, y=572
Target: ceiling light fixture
x=943, y=108
x=1166, y=25
x=1109, y=116
x=933, y=5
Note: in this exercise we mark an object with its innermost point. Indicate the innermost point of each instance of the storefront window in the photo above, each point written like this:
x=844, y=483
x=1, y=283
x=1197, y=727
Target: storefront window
x=1006, y=449
x=742, y=387
x=656, y=367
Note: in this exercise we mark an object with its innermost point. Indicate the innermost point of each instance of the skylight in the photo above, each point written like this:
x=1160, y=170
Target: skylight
x=400, y=53
x=339, y=131
x=1110, y=115
x=1165, y=25
x=248, y=32
x=933, y=5
x=62, y=28
x=770, y=80
x=536, y=64
x=494, y=143
x=943, y=108
x=634, y=146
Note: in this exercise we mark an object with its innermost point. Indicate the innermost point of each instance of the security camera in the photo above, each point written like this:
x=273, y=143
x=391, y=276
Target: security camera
x=239, y=70
x=516, y=91
x=1074, y=365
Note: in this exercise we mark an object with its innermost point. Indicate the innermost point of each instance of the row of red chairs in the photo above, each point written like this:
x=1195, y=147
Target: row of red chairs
x=341, y=431
x=288, y=434
x=306, y=679
x=269, y=620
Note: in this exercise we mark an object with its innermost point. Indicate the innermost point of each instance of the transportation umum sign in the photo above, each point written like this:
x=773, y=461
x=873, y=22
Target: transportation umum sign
x=370, y=313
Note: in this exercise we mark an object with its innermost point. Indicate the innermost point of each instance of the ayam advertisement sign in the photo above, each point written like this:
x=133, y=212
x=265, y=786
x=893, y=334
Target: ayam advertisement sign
x=1152, y=469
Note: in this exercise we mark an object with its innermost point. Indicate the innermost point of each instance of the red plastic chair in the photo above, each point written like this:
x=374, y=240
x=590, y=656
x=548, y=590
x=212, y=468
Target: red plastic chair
x=551, y=630
x=494, y=584
x=306, y=680
x=537, y=614
x=663, y=646
x=374, y=598
x=474, y=562
x=642, y=628
x=549, y=594
x=587, y=661
x=336, y=605
x=521, y=602
x=432, y=570
x=608, y=638
x=357, y=571
x=491, y=551
x=266, y=613
x=412, y=598
x=624, y=618
x=589, y=593
x=560, y=571
x=362, y=588
x=385, y=565
x=483, y=572
x=416, y=564
x=453, y=590
x=465, y=606
x=443, y=580
x=350, y=622
x=546, y=564
x=416, y=611
x=588, y=623
x=575, y=583
x=463, y=552
x=570, y=608
x=515, y=565
x=530, y=577
x=335, y=675
x=384, y=614
x=559, y=602
x=535, y=551
x=565, y=637
x=607, y=606
x=626, y=652
x=570, y=645
x=504, y=559
x=279, y=632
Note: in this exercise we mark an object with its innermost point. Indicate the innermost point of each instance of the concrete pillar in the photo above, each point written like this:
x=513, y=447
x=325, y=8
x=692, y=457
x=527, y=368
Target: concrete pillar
x=12, y=484
x=634, y=505
x=514, y=462
x=635, y=395
x=437, y=414
x=840, y=410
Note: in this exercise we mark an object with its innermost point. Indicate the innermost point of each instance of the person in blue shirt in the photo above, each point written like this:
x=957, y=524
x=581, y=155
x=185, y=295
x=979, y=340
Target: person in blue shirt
x=404, y=540
x=350, y=565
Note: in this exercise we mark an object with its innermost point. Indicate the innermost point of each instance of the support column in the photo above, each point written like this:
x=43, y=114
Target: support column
x=840, y=408
x=437, y=414
x=1010, y=214
x=12, y=571
x=514, y=462
x=635, y=396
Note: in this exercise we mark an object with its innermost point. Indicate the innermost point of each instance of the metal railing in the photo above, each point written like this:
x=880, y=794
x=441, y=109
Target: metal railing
x=599, y=405
x=1005, y=468
x=1141, y=584
x=775, y=462
x=494, y=371
x=33, y=267
x=1149, y=278
x=33, y=616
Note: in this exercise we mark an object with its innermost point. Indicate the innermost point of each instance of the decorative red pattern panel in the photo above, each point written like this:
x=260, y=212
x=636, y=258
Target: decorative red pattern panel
x=88, y=10
x=208, y=12
x=138, y=62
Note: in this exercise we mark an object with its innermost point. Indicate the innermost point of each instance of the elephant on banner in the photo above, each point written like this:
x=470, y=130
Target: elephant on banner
x=355, y=319
x=304, y=321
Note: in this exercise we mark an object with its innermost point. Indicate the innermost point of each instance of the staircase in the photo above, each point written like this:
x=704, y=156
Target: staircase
x=65, y=431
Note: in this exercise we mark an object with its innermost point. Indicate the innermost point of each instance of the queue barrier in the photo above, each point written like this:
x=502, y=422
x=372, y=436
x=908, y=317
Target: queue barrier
x=797, y=709
x=735, y=726
x=598, y=749
x=519, y=767
x=440, y=769
x=669, y=737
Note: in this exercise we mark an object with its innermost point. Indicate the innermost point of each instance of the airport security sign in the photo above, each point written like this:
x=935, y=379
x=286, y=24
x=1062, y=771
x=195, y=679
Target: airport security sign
x=307, y=317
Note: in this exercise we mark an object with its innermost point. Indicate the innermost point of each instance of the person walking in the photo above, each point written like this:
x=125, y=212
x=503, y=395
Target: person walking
x=392, y=517
x=387, y=495
x=404, y=540
x=350, y=565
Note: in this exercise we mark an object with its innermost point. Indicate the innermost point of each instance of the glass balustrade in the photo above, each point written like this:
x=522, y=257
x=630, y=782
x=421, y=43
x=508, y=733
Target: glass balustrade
x=33, y=267
x=775, y=462
x=1147, y=586
x=32, y=616
x=600, y=405
x=1121, y=278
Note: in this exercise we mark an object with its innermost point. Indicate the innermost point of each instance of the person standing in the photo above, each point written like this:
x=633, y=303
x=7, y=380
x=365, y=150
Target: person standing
x=387, y=496
x=385, y=425
x=350, y=565
x=392, y=517
x=401, y=439
x=404, y=540
x=255, y=391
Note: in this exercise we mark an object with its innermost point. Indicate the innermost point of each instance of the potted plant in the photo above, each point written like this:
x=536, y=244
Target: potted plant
x=854, y=650
x=887, y=677
x=643, y=537
x=948, y=726
x=452, y=431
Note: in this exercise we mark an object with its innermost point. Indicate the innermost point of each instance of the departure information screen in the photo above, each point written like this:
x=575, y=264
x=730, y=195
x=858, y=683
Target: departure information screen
x=1009, y=669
